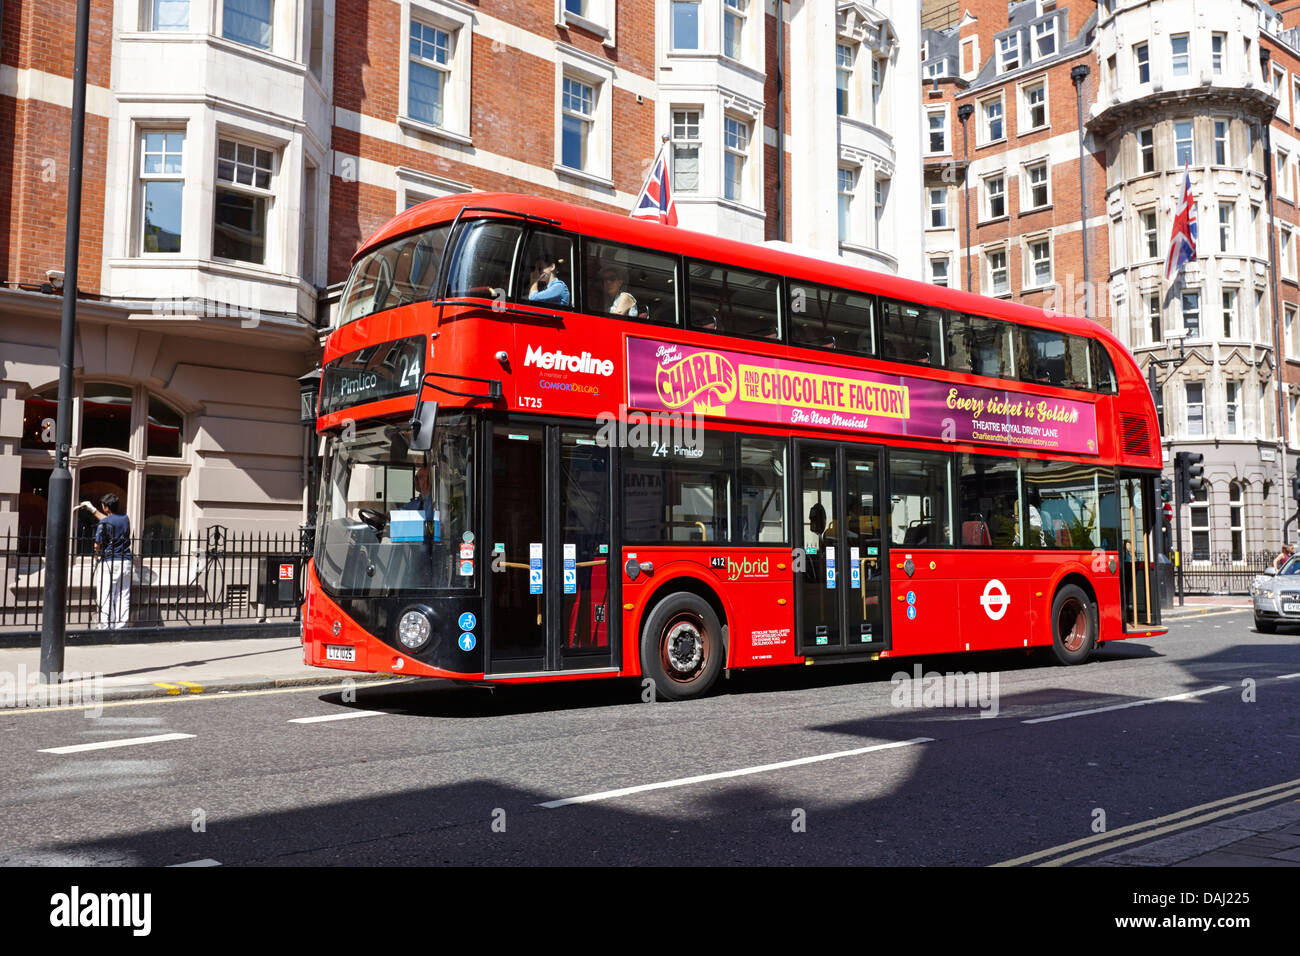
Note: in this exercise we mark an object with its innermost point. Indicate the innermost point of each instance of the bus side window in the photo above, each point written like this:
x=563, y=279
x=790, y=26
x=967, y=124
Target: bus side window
x=978, y=346
x=734, y=301
x=546, y=274
x=826, y=318
x=1103, y=373
x=920, y=510
x=912, y=333
x=623, y=281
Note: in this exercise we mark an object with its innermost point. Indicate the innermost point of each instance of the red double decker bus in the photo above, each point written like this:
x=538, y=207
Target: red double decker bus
x=562, y=444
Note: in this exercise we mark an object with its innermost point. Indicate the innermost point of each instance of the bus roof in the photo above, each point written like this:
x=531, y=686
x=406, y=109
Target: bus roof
x=761, y=258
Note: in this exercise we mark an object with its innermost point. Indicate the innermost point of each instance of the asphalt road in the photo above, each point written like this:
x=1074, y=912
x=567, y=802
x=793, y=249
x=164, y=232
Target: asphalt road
x=797, y=766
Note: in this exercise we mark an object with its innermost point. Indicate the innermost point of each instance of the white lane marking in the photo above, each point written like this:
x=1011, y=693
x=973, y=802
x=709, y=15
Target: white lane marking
x=1288, y=676
x=196, y=863
x=348, y=716
x=745, y=771
x=1133, y=703
x=106, y=744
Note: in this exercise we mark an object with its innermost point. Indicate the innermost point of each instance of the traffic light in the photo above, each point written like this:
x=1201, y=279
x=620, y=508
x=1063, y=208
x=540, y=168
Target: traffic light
x=1167, y=500
x=1190, y=474
x=1295, y=482
x=1195, y=473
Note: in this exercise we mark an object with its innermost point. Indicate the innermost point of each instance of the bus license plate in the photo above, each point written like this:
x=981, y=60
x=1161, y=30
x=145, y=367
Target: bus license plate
x=1291, y=608
x=340, y=652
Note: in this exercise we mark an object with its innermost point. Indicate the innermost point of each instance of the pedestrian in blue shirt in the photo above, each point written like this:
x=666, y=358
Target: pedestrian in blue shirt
x=113, y=546
x=547, y=286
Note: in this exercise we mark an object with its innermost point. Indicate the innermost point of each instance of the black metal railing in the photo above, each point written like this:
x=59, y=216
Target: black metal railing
x=1218, y=573
x=212, y=578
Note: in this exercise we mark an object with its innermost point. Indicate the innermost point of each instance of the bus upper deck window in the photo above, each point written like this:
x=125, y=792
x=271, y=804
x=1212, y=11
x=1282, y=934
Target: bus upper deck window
x=546, y=271
x=912, y=333
x=734, y=301
x=636, y=283
x=978, y=346
x=396, y=274
x=1103, y=375
x=827, y=318
x=485, y=252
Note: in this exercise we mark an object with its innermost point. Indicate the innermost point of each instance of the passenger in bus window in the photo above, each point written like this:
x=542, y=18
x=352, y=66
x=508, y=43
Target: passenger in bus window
x=546, y=285
x=617, y=302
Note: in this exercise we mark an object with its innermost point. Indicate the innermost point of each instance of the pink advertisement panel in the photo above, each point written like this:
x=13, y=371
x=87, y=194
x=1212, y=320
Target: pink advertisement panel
x=670, y=377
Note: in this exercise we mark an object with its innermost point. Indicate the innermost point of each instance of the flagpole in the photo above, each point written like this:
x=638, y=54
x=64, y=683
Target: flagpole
x=664, y=140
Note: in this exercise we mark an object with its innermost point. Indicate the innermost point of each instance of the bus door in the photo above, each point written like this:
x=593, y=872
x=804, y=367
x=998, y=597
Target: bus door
x=549, y=578
x=839, y=594
x=1142, y=561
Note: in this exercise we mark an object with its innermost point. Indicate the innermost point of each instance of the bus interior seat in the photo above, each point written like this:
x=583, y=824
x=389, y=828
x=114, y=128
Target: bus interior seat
x=976, y=533
x=919, y=533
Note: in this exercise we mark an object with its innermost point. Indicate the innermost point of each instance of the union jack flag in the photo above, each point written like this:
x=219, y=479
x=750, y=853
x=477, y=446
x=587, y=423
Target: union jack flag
x=656, y=199
x=1182, y=244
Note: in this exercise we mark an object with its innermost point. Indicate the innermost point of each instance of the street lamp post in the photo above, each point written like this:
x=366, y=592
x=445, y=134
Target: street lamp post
x=59, y=516
x=964, y=113
x=1078, y=75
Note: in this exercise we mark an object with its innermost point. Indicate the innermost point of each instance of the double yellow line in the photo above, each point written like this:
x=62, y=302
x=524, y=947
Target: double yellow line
x=1171, y=823
x=179, y=687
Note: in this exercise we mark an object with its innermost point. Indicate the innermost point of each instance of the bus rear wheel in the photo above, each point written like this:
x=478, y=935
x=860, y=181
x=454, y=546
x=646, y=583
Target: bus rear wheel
x=681, y=646
x=1074, y=625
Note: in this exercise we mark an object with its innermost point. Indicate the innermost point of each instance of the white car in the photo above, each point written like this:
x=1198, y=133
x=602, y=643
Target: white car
x=1276, y=595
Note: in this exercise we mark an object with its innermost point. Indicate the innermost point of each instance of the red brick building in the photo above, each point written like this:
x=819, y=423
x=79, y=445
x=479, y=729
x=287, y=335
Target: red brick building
x=238, y=151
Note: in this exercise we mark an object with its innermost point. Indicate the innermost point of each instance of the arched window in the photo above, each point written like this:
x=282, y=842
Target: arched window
x=125, y=440
x=1236, y=521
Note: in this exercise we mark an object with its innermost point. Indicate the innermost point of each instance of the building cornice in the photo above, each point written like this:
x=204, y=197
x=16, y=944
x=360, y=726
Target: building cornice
x=1261, y=103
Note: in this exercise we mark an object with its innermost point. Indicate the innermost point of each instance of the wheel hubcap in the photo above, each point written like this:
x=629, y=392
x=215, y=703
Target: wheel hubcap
x=683, y=648
x=1072, y=625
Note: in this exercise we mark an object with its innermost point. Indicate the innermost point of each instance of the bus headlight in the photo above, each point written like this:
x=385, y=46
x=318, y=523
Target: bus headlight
x=414, y=629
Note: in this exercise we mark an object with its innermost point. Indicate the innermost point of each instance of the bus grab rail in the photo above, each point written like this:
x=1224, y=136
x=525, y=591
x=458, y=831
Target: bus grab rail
x=533, y=313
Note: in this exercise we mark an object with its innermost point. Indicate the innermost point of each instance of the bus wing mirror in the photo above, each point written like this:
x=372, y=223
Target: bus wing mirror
x=422, y=422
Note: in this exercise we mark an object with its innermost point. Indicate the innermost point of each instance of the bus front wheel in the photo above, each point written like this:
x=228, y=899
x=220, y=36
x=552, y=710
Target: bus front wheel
x=1074, y=625
x=681, y=646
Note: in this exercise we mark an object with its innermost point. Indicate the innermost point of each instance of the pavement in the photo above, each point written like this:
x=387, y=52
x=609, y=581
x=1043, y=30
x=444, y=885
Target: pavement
x=1269, y=836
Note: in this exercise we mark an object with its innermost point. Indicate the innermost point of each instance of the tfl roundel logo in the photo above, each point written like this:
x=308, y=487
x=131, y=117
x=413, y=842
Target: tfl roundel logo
x=995, y=599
